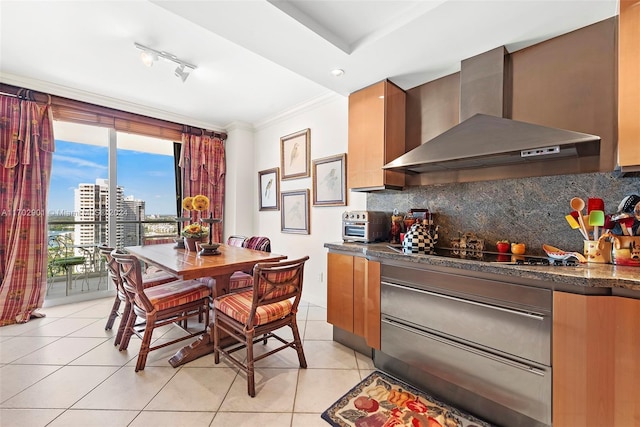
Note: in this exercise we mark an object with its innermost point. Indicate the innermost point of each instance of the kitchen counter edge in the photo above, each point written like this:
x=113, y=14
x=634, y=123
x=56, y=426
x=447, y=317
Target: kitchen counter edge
x=589, y=275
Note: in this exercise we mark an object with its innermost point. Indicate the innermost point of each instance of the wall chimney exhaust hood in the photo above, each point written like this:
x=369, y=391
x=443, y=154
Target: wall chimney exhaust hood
x=484, y=141
x=485, y=138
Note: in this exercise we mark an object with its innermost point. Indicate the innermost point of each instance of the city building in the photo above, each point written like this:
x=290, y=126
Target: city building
x=91, y=209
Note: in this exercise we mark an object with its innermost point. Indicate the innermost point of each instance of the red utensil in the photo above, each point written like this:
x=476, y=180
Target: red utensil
x=595, y=204
x=626, y=224
x=608, y=222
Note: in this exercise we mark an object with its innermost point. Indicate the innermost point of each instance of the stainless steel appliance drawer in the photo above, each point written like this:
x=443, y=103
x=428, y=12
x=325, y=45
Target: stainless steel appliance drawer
x=522, y=387
x=525, y=333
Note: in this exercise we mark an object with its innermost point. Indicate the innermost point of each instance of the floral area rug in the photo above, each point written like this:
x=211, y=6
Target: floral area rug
x=382, y=401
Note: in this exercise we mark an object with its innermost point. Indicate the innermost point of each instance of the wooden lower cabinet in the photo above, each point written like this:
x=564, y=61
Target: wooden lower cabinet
x=596, y=360
x=353, y=296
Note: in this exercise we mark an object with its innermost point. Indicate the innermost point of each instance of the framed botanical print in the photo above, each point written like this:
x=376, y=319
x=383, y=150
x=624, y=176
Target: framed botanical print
x=329, y=181
x=295, y=150
x=295, y=211
x=269, y=184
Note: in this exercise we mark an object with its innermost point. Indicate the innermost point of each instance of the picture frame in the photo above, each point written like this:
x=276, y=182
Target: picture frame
x=295, y=151
x=294, y=211
x=269, y=185
x=329, y=181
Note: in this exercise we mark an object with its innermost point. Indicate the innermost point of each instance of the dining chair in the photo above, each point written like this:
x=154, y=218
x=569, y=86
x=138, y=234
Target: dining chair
x=158, y=305
x=253, y=316
x=242, y=280
x=153, y=278
x=236, y=240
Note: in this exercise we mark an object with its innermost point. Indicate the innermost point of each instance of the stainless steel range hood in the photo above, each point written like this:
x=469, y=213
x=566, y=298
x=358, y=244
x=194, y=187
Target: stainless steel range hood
x=484, y=138
x=484, y=141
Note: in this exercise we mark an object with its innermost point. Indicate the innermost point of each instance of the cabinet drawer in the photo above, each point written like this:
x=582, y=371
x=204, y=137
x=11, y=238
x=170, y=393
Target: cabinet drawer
x=522, y=387
x=522, y=333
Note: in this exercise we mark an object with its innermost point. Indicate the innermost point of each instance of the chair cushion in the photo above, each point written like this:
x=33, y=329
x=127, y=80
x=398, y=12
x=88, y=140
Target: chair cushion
x=278, y=277
x=238, y=306
x=258, y=243
x=176, y=293
x=239, y=280
x=236, y=241
x=155, y=277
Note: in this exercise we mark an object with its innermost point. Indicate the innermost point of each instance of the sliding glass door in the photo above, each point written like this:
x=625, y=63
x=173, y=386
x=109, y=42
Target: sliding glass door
x=106, y=187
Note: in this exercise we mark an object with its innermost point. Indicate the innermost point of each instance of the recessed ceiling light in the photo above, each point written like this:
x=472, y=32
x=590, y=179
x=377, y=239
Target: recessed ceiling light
x=337, y=72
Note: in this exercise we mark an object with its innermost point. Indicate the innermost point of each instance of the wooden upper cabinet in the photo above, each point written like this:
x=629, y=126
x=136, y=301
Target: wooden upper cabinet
x=376, y=136
x=629, y=86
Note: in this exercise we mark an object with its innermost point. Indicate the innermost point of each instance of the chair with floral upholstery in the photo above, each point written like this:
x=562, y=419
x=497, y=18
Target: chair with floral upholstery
x=252, y=316
x=159, y=305
x=152, y=278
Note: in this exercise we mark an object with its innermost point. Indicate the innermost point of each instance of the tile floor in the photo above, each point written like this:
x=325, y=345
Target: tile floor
x=63, y=370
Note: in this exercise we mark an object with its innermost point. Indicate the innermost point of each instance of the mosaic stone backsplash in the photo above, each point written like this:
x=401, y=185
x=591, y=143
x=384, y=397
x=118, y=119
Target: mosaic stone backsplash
x=529, y=210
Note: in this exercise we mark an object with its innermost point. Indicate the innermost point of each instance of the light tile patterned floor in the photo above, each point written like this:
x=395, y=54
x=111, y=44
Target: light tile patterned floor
x=63, y=370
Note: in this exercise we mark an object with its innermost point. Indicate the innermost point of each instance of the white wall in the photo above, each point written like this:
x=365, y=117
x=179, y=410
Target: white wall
x=238, y=199
x=327, y=118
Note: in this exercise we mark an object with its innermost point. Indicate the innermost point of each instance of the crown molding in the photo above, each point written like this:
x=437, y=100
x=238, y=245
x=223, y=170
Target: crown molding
x=296, y=110
x=105, y=101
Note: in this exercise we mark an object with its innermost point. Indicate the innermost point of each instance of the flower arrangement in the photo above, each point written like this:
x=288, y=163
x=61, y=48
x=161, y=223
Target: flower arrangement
x=195, y=204
x=195, y=230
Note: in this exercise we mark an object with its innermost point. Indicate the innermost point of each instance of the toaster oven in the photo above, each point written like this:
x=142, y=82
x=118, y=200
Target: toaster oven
x=365, y=226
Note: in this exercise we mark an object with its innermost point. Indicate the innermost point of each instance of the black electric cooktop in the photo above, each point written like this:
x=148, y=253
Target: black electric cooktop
x=486, y=256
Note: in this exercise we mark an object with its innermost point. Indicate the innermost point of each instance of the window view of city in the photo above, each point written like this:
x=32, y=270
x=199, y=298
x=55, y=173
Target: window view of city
x=81, y=208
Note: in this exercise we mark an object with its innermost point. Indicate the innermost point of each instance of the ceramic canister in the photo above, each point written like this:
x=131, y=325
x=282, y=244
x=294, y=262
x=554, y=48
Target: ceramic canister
x=625, y=249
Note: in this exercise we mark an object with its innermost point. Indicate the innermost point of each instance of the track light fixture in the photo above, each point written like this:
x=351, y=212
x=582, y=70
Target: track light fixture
x=149, y=56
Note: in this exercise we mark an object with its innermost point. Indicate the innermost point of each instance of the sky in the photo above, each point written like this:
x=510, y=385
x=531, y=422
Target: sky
x=145, y=176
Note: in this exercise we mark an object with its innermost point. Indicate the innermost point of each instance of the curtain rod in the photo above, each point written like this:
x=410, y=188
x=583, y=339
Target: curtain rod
x=16, y=91
x=203, y=132
x=22, y=93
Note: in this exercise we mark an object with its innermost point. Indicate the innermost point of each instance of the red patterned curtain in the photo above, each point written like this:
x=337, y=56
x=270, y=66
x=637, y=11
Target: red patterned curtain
x=26, y=150
x=203, y=171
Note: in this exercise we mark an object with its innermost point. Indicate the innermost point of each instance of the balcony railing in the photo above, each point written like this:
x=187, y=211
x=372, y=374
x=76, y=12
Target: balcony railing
x=67, y=240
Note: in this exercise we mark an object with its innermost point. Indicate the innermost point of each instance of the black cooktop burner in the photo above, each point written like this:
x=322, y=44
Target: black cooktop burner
x=494, y=257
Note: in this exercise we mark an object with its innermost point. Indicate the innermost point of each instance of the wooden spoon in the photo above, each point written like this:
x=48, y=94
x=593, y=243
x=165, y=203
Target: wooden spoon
x=577, y=204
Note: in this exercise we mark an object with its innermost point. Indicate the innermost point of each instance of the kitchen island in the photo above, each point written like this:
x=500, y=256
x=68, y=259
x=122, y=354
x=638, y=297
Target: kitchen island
x=524, y=344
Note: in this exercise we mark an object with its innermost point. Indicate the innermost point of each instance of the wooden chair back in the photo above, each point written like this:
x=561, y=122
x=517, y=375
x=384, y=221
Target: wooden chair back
x=130, y=270
x=112, y=266
x=277, y=281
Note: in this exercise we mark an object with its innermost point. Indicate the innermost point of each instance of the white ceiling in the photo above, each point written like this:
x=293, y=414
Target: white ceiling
x=257, y=59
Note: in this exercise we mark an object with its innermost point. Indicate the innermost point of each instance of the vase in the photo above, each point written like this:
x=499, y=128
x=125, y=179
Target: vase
x=190, y=243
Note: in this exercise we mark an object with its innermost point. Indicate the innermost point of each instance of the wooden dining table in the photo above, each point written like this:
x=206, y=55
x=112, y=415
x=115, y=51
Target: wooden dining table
x=187, y=265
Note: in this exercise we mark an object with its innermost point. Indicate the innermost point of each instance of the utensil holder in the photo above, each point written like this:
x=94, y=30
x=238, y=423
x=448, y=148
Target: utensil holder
x=625, y=250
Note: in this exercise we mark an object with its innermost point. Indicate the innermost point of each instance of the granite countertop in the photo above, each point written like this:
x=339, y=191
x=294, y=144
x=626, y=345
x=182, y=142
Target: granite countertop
x=585, y=275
